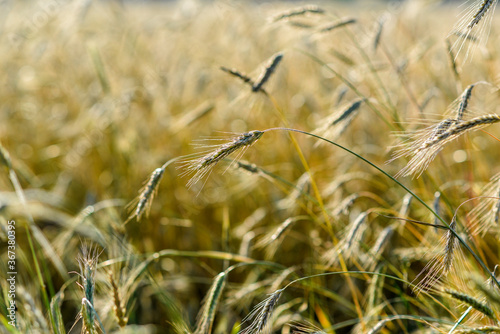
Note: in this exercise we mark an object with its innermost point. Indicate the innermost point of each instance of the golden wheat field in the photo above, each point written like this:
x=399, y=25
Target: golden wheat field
x=249, y=167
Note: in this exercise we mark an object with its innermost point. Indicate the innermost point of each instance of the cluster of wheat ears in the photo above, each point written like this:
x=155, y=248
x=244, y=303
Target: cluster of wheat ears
x=359, y=247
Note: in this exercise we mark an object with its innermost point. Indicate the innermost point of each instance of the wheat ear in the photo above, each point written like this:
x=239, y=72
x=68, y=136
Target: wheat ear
x=464, y=102
x=207, y=313
x=118, y=308
x=471, y=301
x=201, y=166
x=481, y=12
x=261, y=314
x=267, y=72
x=338, y=24
x=298, y=12
x=463, y=127
x=440, y=266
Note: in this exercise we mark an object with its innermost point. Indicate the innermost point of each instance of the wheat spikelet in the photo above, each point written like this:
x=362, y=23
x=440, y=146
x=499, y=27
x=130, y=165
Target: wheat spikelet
x=210, y=304
x=464, y=102
x=299, y=11
x=477, y=17
x=440, y=265
x=353, y=107
x=355, y=232
x=87, y=314
x=148, y=193
x=471, y=301
x=262, y=79
x=349, y=245
x=302, y=25
x=88, y=265
x=335, y=25
x=336, y=124
x=118, y=308
x=345, y=205
x=201, y=166
x=343, y=179
x=451, y=245
x=262, y=314
x=427, y=143
x=238, y=74
x=439, y=130
x=481, y=12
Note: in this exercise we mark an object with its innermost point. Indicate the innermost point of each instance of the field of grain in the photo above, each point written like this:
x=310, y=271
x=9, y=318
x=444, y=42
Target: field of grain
x=243, y=167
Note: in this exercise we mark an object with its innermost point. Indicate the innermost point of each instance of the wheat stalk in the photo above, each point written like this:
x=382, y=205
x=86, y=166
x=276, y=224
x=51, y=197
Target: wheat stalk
x=461, y=127
x=464, y=102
